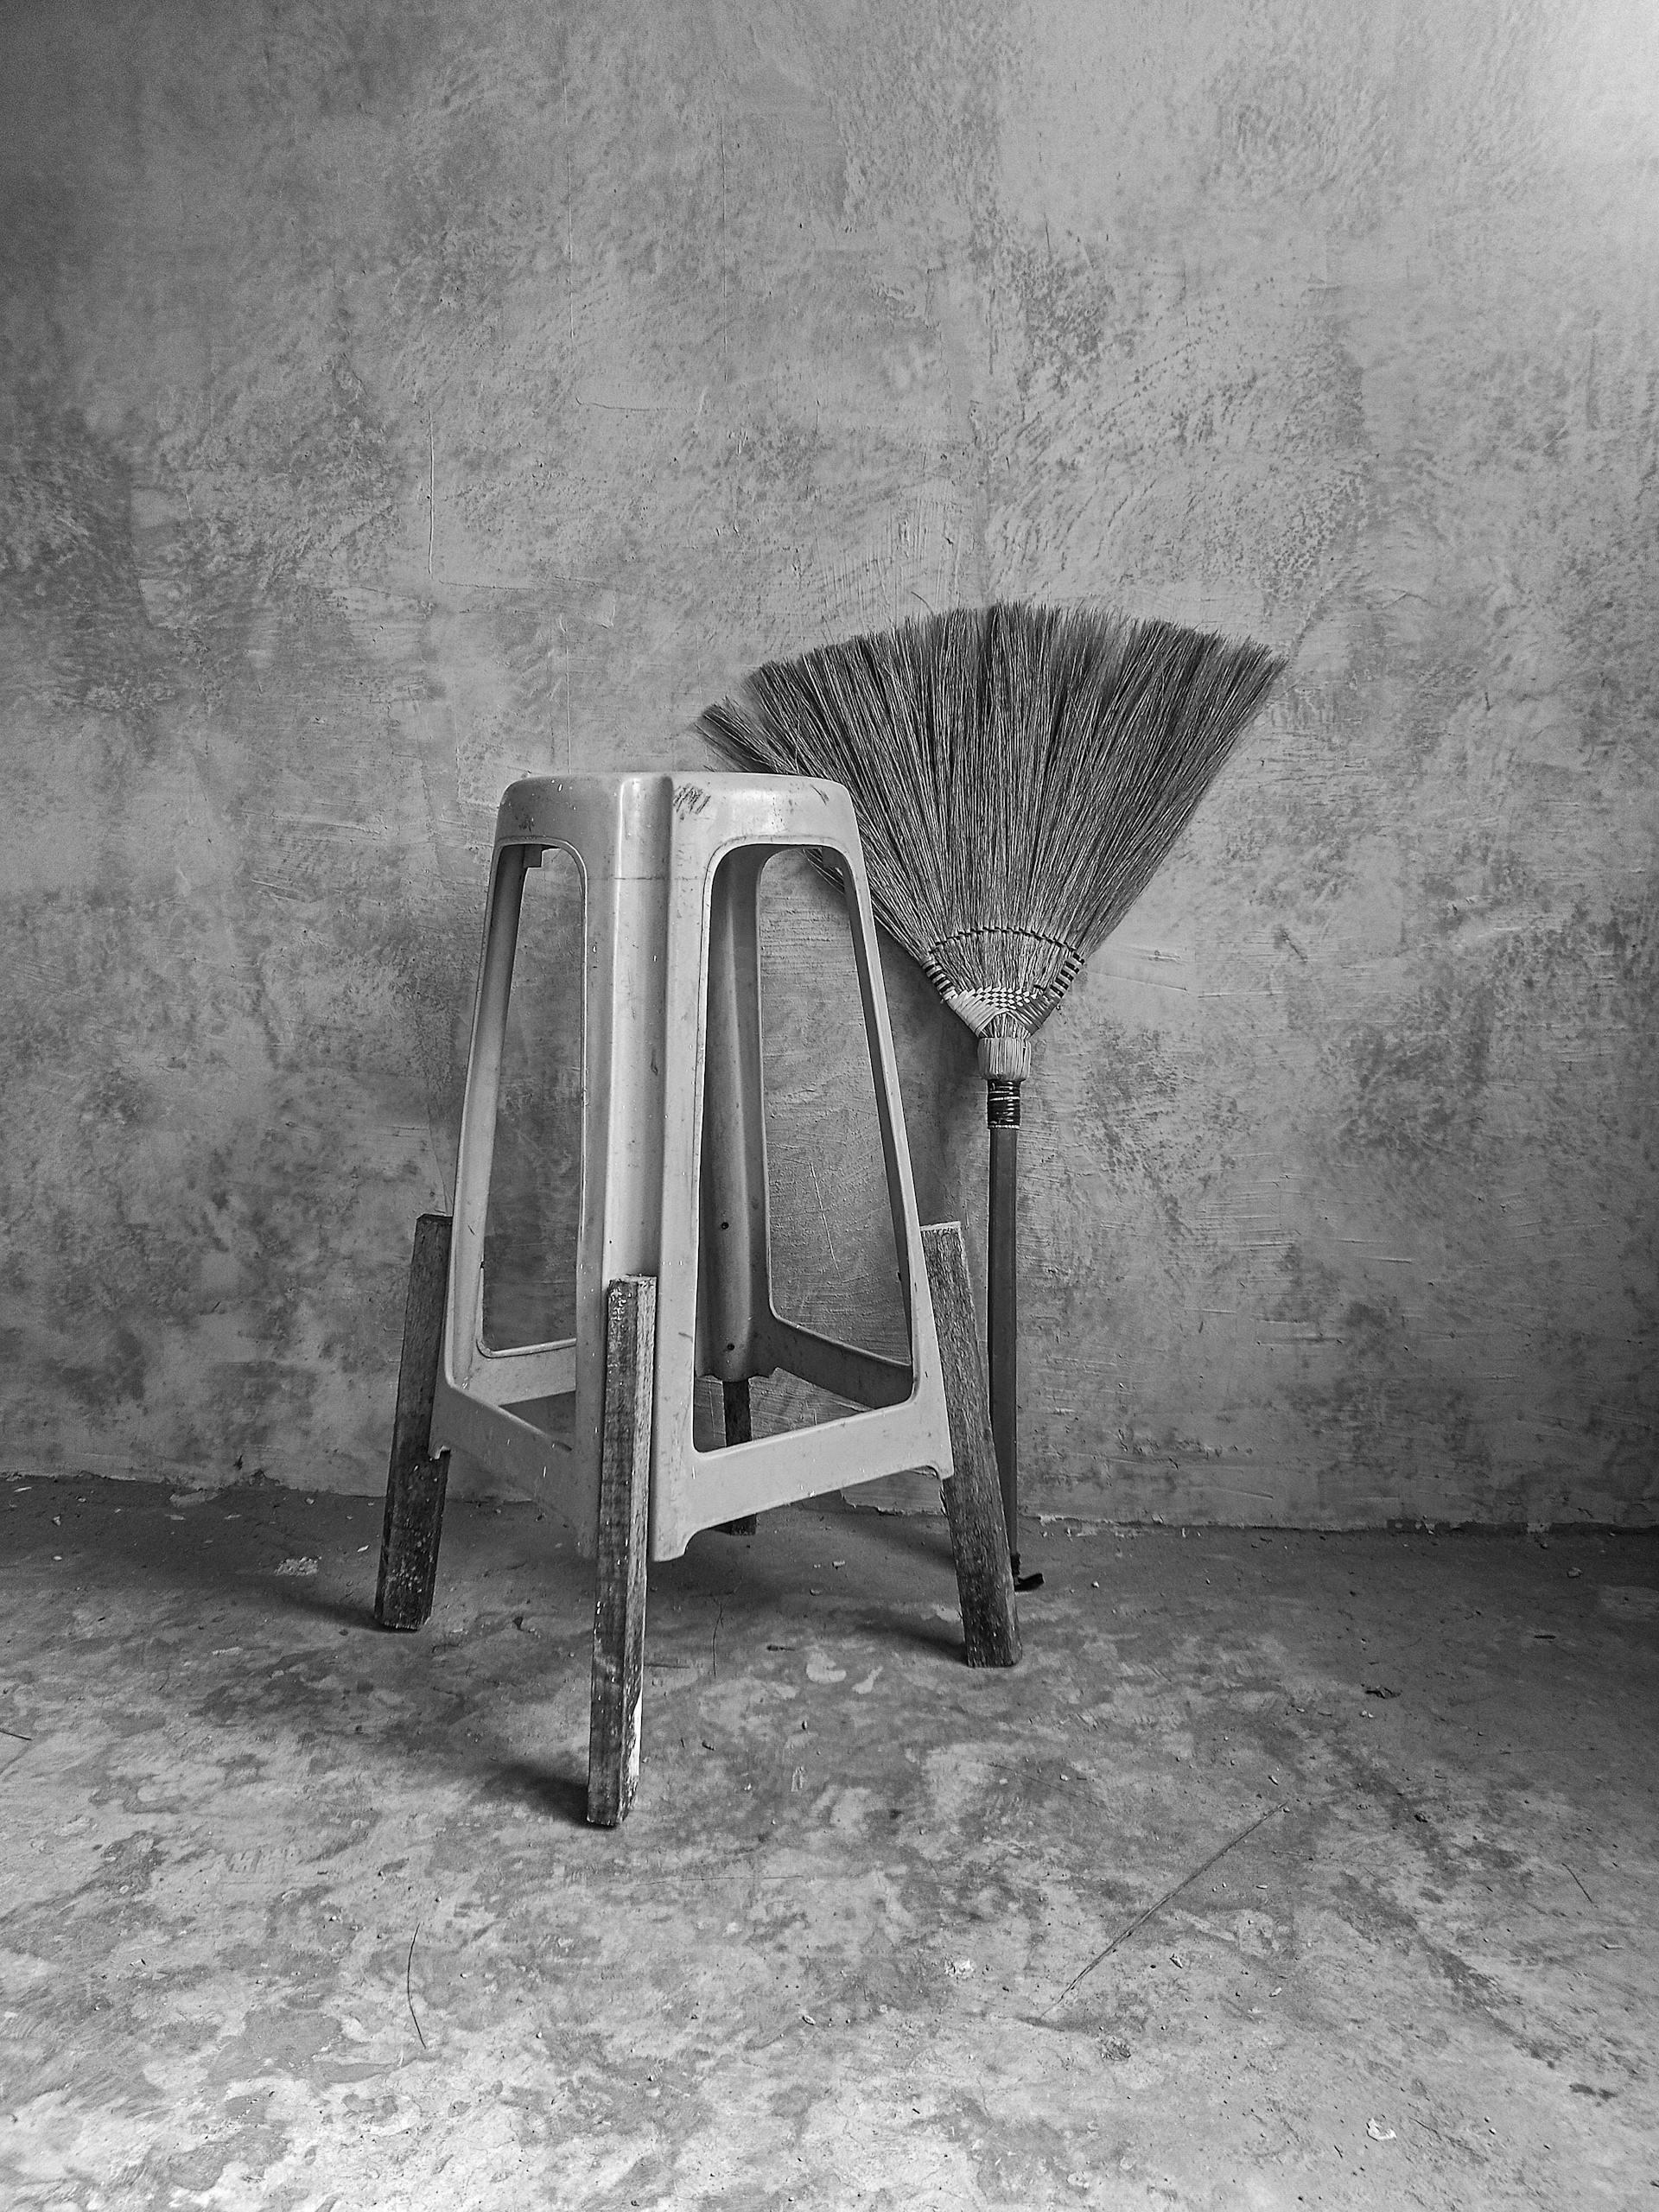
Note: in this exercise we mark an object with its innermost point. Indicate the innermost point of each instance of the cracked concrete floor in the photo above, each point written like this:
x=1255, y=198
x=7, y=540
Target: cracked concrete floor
x=297, y=1914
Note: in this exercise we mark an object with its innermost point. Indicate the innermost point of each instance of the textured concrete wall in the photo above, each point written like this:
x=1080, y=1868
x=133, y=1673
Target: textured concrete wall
x=397, y=399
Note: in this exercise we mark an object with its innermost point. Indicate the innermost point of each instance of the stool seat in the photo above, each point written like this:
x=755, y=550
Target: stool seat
x=673, y=1176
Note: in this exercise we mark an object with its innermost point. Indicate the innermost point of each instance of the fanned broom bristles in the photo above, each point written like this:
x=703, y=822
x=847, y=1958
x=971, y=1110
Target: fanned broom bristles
x=1017, y=772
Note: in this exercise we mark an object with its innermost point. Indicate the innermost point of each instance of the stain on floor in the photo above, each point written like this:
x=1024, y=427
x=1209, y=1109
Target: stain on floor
x=1285, y=1870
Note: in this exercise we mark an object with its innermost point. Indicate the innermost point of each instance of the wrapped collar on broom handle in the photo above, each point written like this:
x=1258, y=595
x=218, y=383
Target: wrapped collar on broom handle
x=1018, y=773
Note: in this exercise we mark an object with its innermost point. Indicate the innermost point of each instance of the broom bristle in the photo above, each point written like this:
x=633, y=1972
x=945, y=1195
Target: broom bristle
x=1018, y=773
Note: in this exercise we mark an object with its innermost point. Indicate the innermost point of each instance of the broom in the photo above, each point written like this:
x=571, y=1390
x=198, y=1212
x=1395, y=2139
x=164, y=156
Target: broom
x=1018, y=773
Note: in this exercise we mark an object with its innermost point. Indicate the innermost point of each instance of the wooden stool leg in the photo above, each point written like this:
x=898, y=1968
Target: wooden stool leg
x=734, y=1406
x=416, y=1483
x=973, y=1497
x=624, y=1498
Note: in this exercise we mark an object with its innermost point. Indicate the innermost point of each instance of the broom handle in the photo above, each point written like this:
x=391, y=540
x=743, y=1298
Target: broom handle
x=1003, y=1302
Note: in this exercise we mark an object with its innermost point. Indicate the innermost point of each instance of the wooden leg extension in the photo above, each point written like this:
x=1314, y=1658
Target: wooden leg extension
x=416, y=1483
x=735, y=1405
x=624, y=1498
x=973, y=1498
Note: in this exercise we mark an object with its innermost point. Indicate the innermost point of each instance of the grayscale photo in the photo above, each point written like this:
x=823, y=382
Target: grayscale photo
x=829, y=1051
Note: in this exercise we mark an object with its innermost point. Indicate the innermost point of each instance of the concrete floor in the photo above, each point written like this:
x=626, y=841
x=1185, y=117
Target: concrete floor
x=299, y=1914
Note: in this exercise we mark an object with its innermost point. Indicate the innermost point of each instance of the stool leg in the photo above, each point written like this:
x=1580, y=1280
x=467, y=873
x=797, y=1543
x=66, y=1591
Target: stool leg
x=416, y=1483
x=624, y=1497
x=735, y=1404
x=973, y=1497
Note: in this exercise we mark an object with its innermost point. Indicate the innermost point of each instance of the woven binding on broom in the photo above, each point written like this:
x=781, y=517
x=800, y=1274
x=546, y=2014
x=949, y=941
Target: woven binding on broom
x=1002, y=983
x=1018, y=773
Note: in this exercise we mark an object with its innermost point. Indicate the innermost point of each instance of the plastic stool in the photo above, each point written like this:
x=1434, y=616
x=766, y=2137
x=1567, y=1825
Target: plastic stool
x=674, y=1195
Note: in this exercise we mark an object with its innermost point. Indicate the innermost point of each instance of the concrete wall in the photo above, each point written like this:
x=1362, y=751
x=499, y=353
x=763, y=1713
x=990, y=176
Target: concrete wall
x=398, y=398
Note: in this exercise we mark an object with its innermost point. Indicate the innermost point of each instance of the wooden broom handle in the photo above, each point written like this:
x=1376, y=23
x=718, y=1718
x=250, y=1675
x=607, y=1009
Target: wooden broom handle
x=1002, y=1301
